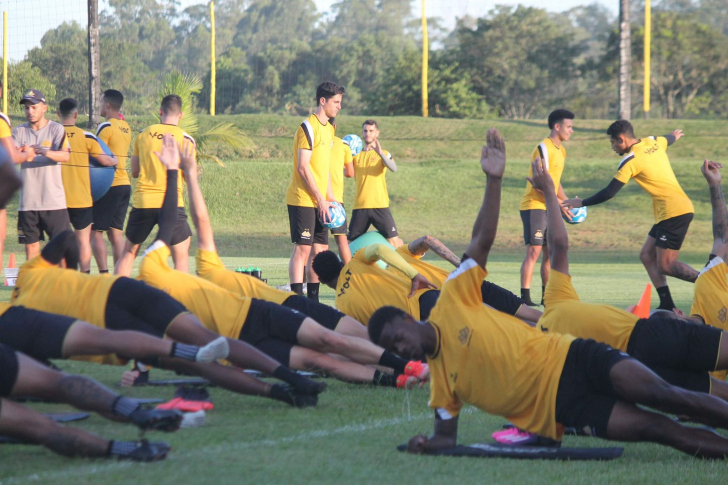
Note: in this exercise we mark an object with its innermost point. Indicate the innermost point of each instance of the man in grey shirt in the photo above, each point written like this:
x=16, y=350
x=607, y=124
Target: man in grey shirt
x=42, y=199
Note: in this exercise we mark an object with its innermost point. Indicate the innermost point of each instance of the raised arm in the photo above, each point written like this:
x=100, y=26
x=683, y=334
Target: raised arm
x=170, y=158
x=375, y=252
x=602, y=196
x=198, y=207
x=711, y=172
x=557, y=237
x=420, y=246
x=673, y=136
x=386, y=159
x=493, y=163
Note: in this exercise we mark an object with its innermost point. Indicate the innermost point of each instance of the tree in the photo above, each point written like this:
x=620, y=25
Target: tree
x=23, y=76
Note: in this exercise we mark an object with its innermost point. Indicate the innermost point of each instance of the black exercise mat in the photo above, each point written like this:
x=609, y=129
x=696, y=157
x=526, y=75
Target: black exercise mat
x=496, y=450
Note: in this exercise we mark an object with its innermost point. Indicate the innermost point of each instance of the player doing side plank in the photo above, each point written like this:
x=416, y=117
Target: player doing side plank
x=540, y=382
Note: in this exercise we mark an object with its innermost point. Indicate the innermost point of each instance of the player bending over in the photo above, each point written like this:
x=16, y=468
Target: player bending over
x=646, y=161
x=540, y=382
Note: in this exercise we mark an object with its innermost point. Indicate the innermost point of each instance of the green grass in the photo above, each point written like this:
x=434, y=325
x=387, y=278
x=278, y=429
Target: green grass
x=352, y=434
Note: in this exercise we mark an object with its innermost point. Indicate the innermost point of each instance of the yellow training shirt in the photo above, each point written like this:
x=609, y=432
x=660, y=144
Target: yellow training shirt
x=340, y=156
x=711, y=299
x=492, y=360
x=371, y=184
x=219, y=310
x=319, y=139
x=566, y=314
x=434, y=274
x=553, y=158
x=117, y=135
x=76, y=179
x=210, y=267
x=648, y=164
x=47, y=287
x=364, y=287
x=6, y=130
x=152, y=182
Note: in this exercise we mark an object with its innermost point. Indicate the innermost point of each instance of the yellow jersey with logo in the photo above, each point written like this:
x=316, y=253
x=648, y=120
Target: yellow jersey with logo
x=340, y=156
x=318, y=138
x=554, y=159
x=371, y=183
x=363, y=288
x=76, y=179
x=211, y=268
x=492, y=360
x=152, y=182
x=6, y=128
x=117, y=136
x=710, y=301
x=434, y=274
x=44, y=286
x=648, y=164
x=566, y=314
x=218, y=309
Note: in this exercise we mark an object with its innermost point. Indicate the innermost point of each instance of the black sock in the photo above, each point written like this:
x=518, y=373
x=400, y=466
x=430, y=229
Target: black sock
x=297, y=288
x=526, y=294
x=103, y=271
x=666, y=302
x=543, y=292
x=184, y=351
x=312, y=291
x=88, y=271
x=395, y=362
x=385, y=380
x=122, y=448
x=124, y=406
x=299, y=382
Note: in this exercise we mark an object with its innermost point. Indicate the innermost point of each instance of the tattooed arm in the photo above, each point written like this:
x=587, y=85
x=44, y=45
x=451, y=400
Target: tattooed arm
x=420, y=246
x=711, y=172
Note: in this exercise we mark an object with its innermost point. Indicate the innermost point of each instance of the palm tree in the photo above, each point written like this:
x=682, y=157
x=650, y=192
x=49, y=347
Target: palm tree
x=185, y=86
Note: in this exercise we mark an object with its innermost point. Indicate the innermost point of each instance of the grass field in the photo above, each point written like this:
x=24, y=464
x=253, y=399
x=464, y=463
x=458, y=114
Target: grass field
x=352, y=434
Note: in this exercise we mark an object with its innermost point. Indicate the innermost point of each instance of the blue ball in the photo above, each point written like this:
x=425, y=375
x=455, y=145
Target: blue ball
x=337, y=216
x=354, y=143
x=101, y=176
x=578, y=215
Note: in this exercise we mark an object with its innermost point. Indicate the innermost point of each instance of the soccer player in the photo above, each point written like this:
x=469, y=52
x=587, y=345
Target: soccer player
x=11, y=182
x=371, y=204
x=310, y=193
x=540, y=382
x=285, y=334
x=22, y=376
x=533, y=208
x=341, y=166
x=646, y=161
x=149, y=190
x=76, y=179
x=42, y=207
x=109, y=211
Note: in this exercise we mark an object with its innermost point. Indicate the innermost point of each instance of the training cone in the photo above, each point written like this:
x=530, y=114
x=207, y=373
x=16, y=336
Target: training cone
x=11, y=272
x=642, y=309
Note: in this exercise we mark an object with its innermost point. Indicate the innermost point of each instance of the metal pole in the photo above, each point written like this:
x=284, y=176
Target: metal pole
x=425, y=63
x=94, y=58
x=648, y=54
x=5, y=61
x=625, y=58
x=213, y=62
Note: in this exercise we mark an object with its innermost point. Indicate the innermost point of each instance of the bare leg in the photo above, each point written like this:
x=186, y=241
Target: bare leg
x=723, y=353
x=125, y=264
x=85, y=339
x=343, y=244
x=32, y=250
x=349, y=326
x=629, y=423
x=297, y=264
x=312, y=361
x=669, y=265
x=545, y=266
x=313, y=336
x=648, y=256
x=116, y=237
x=98, y=246
x=311, y=276
x=181, y=255
x=529, y=263
x=230, y=378
x=83, y=237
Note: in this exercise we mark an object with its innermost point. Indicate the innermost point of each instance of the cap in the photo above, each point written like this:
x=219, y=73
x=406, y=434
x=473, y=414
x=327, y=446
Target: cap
x=33, y=96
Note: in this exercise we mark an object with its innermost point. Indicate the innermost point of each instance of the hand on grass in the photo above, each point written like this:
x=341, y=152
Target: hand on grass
x=417, y=444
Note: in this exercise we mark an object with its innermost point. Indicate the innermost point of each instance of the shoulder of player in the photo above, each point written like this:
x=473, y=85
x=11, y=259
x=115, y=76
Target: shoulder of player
x=103, y=126
x=6, y=119
x=188, y=137
x=626, y=159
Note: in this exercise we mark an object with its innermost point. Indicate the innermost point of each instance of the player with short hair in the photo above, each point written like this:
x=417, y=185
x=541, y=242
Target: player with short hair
x=42, y=207
x=109, y=211
x=149, y=191
x=310, y=193
x=76, y=177
x=646, y=161
x=371, y=204
x=540, y=382
x=533, y=208
x=341, y=166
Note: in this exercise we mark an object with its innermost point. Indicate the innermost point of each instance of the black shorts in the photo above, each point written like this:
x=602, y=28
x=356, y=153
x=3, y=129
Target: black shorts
x=500, y=298
x=134, y=305
x=272, y=328
x=80, y=218
x=8, y=370
x=682, y=353
x=38, y=334
x=343, y=229
x=428, y=300
x=586, y=396
x=534, y=227
x=33, y=224
x=324, y=315
x=142, y=221
x=304, y=220
x=381, y=219
x=110, y=210
x=670, y=233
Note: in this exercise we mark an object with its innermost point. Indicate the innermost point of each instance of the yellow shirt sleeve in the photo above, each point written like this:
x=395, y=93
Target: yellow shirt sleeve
x=661, y=141
x=442, y=397
x=375, y=252
x=464, y=283
x=5, y=127
x=305, y=139
x=104, y=132
x=628, y=169
x=347, y=155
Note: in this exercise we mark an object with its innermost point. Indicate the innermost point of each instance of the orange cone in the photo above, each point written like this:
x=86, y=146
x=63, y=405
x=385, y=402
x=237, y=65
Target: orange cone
x=642, y=309
x=11, y=261
x=11, y=272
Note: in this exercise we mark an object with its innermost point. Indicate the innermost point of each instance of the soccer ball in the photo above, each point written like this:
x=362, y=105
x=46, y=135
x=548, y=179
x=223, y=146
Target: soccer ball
x=101, y=177
x=354, y=143
x=578, y=215
x=337, y=216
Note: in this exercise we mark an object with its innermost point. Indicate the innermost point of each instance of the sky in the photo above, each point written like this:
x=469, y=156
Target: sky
x=28, y=20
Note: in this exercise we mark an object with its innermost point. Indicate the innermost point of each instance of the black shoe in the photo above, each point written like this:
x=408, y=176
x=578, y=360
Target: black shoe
x=310, y=386
x=156, y=419
x=529, y=303
x=304, y=400
x=146, y=451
